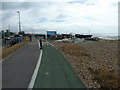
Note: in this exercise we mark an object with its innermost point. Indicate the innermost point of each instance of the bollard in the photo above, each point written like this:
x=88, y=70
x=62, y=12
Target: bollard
x=40, y=41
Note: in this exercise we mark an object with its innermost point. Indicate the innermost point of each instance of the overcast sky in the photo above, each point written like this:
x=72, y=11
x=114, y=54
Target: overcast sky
x=67, y=16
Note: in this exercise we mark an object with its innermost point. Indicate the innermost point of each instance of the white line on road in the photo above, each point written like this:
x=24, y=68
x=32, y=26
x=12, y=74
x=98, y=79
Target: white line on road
x=32, y=82
x=38, y=43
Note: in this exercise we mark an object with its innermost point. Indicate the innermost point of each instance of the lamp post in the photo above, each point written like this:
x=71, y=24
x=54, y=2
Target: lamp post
x=19, y=21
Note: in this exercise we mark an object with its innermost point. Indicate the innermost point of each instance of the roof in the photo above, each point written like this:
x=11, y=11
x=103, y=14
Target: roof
x=51, y=32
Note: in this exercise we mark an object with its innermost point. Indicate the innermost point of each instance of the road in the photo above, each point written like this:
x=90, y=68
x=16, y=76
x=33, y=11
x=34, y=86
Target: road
x=18, y=68
x=55, y=71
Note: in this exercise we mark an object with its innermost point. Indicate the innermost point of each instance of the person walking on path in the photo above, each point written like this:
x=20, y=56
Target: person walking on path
x=40, y=41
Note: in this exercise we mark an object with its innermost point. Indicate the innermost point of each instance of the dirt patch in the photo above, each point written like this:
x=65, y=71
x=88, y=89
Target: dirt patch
x=96, y=63
x=26, y=39
x=106, y=79
x=72, y=49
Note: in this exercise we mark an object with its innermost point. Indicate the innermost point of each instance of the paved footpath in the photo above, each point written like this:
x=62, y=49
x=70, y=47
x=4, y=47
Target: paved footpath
x=18, y=69
x=55, y=71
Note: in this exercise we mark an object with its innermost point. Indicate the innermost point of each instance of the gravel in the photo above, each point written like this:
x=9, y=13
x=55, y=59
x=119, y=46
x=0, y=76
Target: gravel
x=91, y=57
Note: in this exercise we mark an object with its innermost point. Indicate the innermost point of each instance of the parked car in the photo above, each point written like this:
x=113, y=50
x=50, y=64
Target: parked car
x=18, y=38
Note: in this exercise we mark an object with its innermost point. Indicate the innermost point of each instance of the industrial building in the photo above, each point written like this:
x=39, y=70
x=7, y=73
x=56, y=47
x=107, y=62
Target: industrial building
x=51, y=34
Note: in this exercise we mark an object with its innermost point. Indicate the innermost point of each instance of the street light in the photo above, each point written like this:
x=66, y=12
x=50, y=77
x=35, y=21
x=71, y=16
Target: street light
x=19, y=22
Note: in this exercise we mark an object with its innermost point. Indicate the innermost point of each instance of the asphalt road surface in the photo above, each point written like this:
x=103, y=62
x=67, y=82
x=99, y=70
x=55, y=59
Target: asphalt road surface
x=54, y=71
x=17, y=70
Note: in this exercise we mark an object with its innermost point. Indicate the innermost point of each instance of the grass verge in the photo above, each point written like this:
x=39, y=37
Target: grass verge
x=8, y=51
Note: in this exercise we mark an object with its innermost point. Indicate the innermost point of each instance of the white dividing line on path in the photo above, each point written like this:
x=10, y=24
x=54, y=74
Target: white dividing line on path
x=38, y=43
x=32, y=82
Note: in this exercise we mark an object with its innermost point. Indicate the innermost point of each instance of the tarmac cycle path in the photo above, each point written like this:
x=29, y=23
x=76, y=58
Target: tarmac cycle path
x=55, y=71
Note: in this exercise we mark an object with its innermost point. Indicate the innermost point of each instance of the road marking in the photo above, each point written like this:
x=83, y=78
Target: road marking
x=32, y=82
x=38, y=43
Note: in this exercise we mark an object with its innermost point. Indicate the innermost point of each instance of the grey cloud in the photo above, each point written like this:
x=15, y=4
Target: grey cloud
x=34, y=13
x=11, y=5
x=7, y=15
x=23, y=5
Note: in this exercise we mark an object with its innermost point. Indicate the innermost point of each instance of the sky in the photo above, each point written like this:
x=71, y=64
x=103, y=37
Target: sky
x=63, y=16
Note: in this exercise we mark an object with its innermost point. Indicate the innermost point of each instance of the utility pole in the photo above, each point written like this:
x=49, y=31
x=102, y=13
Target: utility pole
x=19, y=22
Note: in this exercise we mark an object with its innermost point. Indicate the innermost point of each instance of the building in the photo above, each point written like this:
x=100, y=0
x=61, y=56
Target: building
x=41, y=36
x=66, y=36
x=82, y=36
x=51, y=34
